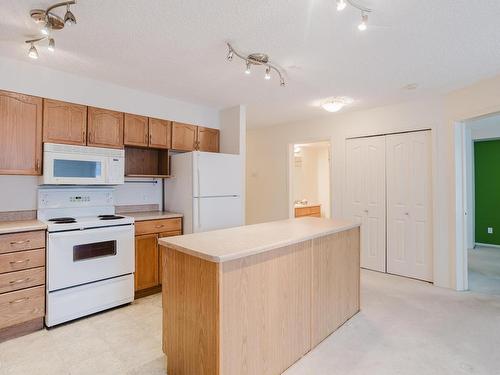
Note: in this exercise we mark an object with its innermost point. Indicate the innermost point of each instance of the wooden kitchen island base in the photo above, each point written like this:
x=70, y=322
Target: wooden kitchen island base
x=260, y=308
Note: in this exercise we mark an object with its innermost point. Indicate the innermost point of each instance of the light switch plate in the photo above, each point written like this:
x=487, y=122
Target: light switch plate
x=490, y=230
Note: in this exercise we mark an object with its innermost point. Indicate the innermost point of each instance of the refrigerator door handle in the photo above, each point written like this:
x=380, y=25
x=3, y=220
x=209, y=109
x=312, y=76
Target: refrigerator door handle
x=198, y=185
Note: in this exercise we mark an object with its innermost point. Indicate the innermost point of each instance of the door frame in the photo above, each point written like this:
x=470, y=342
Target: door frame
x=290, y=161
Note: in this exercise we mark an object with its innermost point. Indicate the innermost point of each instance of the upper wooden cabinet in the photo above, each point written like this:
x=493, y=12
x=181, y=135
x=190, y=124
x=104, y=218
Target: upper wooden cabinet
x=64, y=122
x=184, y=136
x=208, y=139
x=160, y=133
x=20, y=134
x=105, y=128
x=136, y=132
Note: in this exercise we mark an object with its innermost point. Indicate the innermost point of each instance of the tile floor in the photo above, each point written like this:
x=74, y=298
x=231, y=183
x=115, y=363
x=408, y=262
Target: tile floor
x=405, y=327
x=484, y=270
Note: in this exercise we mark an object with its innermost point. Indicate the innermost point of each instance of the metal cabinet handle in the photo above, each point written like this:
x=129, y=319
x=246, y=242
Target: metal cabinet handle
x=19, y=300
x=19, y=242
x=145, y=138
x=159, y=226
x=37, y=165
x=150, y=138
x=20, y=281
x=19, y=261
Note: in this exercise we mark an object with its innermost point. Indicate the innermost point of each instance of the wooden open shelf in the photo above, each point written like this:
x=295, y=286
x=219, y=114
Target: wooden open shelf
x=147, y=162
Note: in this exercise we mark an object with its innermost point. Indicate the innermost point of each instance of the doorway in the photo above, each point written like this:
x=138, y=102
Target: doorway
x=310, y=179
x=482, y=176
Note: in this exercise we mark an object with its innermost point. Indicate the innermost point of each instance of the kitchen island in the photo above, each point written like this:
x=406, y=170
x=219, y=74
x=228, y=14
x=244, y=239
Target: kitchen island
x=253, y=300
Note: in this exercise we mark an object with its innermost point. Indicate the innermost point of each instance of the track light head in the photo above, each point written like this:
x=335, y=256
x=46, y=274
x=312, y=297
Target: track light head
x=230, y=55
x=52, y=45
x=268, y=73
x=282, y=82
x=45, y=29
x=364, y=22
x=341, y=5
x=33, y=53
x=69, y=17
x=247, y=70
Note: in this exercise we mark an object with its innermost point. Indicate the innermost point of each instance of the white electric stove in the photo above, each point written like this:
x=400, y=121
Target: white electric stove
x=90, y=252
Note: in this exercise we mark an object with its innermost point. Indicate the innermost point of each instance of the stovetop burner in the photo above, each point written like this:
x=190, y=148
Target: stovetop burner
x=110, y=217
x=63, y=220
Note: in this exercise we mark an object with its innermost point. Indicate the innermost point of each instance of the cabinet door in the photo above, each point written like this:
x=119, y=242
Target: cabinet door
x=365, y=194
x=160, y=133
x=160, y=252
x=20, y=134
x=64, y=122
x=135, y=130
x=183, y=136
x=409, y=205
x=105, y=128
x=208, y=139
x=146, y=261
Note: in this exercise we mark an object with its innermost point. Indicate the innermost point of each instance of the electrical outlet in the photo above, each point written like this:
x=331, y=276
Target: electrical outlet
x=490, y=230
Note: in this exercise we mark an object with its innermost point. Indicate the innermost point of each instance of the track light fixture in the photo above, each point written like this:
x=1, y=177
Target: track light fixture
x=50, y=21
x=256, y=59
x=342, y=4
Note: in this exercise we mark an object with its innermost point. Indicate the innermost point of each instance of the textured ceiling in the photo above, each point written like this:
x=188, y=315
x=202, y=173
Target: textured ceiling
x=176, y=48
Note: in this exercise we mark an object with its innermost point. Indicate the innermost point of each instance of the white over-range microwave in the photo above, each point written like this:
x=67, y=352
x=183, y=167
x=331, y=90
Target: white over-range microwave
x=81, y=165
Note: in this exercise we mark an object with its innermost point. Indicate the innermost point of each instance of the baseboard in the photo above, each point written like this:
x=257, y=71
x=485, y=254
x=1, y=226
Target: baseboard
x=487, y=245
x=147, y=292
x=21, y=329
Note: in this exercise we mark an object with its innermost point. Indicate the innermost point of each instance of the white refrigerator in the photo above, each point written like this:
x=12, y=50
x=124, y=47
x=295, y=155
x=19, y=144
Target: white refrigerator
x=207, y=189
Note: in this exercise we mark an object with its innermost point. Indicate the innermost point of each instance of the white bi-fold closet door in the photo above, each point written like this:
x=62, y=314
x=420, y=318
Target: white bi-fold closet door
x=365, y=177
x=388, y=188
x=409, y=205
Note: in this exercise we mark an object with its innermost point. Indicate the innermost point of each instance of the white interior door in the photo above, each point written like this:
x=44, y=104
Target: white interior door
x=365, y=189
x=409, y=205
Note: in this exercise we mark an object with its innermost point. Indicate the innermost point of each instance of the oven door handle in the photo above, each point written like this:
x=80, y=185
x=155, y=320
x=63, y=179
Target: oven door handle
x=126, y=228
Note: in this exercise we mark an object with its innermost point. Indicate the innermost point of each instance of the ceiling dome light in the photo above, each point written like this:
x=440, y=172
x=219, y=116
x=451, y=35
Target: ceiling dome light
x=247, y=70
x=69, y=17
x=52, y=45
x=268, y=73
x=341, y=4
x=364, y=22
x=33, y=53
x=336, y=104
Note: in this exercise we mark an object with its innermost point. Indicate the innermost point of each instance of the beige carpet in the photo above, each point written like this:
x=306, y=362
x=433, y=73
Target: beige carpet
x=484, y=270
x=405, y=327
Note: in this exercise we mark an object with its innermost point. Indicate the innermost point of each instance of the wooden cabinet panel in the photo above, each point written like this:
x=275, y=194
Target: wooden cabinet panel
x=136, y=130
x=160, y=133
x=158, y=226
x=22, y=279
x=183, y=136
x=160, y=252
x=22, y=306
x=146, y=261
x=21, y=260
x=20, y=134
x=105, y=128
x=208, y=139
x=21, y=241
x=312, y=211
x=64, y=122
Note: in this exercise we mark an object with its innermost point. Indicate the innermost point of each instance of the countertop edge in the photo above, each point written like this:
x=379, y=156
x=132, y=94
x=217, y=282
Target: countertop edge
x=258, y=250
x=19, y=227
x=152, y=215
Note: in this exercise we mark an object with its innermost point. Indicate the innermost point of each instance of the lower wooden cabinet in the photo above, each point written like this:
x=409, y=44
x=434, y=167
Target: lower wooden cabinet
x=313, y=211
x=148, y=271
x=22, y=283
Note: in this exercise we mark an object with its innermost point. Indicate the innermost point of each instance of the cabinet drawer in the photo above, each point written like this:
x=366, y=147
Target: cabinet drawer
x=21, y=260
x=302, y=211
x=158, y=226
x=22, y=241
x=315, y=210
x=22, y=279
x=22, y=306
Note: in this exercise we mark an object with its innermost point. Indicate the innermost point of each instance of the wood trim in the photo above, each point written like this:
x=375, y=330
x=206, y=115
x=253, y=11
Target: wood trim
x=190, y=314
x=21, y=329
x=147, y=292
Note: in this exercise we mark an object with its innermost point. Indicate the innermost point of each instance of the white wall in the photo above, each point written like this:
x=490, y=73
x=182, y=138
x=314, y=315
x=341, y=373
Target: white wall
x=139, y=192
x=34, y=79
x=233, y=133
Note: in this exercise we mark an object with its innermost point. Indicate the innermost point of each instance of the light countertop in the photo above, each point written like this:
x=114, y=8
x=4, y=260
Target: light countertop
x=152, y=215
x=21, y=226
x=234, y=243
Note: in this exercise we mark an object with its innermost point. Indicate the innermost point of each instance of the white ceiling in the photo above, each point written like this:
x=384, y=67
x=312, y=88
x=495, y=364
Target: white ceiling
x=176, y=48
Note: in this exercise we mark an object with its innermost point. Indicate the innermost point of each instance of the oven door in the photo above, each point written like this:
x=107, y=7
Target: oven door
x=84, y=256
x=73, y=169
